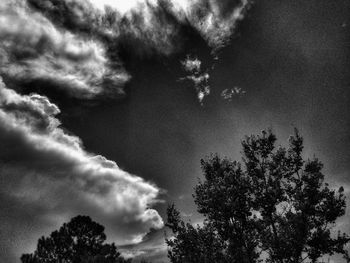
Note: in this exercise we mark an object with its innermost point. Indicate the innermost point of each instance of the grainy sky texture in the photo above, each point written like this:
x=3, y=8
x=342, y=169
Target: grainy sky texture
x=107, y=107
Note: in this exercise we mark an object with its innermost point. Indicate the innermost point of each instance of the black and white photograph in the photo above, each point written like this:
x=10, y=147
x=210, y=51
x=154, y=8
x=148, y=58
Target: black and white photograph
x=174, y=131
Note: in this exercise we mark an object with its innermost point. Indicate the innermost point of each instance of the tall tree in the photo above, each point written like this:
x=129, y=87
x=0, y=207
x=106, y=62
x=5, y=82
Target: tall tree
x=272, y=206
x=79, y=241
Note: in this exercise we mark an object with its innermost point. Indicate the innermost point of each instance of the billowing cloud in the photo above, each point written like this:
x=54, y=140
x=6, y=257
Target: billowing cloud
x=214, y=20
x=32, y=49
x=148, y=25
x=74, y=44
x=44, y=166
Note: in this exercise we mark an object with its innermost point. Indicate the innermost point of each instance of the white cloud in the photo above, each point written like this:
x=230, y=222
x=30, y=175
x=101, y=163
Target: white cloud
x=215, y=20
x=152, y=248
x=216, y=28
x=191, y=65
x=53, y=171
x=198, y=78
x=32, y=48
x=229, y=94
x=47, y=170
x=202, y=92
x=123, y=6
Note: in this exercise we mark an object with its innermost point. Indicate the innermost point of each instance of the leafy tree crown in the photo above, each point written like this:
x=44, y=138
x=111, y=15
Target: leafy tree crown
x=273, y=206
x=81, y=240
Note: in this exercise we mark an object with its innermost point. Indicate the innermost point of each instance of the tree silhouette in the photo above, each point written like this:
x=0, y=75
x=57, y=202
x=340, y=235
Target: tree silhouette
x=273, y=206
x=79, y=241
x=191, y=244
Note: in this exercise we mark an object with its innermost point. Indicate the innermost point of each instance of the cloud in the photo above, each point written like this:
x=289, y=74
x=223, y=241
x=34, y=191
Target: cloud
x=122, y=6
x=73, y=46
x=44, y=166
x=229, y=94
x=215, y=20
x=191, y=65
x=145, y=27
x=33, y=49
x=152, y=248
x=197, y=77
x=155, y=25
x=78, y=51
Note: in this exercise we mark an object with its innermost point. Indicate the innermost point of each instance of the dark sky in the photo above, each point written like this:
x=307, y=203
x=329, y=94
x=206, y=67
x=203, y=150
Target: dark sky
x=291, y=59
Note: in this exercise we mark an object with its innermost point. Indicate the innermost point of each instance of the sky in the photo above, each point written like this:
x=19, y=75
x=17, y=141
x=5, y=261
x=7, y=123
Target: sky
x=107, y=107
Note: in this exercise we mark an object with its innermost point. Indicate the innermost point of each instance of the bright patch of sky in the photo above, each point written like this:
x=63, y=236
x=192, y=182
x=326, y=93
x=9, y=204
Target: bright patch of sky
x=122, y=6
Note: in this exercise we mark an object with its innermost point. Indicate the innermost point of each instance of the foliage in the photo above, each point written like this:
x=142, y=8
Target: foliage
x=200, y=244
x=79, y=241
x=274, y=205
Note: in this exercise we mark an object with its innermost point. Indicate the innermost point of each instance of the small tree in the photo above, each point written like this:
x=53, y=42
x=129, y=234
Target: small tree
x=79, y=241
x=272, y=205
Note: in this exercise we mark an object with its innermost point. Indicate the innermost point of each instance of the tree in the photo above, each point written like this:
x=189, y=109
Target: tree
x=193, y=244
x=79, y=241
x=273, y=206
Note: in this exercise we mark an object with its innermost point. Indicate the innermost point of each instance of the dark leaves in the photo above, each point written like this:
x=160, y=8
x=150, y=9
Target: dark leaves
x=79, y=241
x=278, y=204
